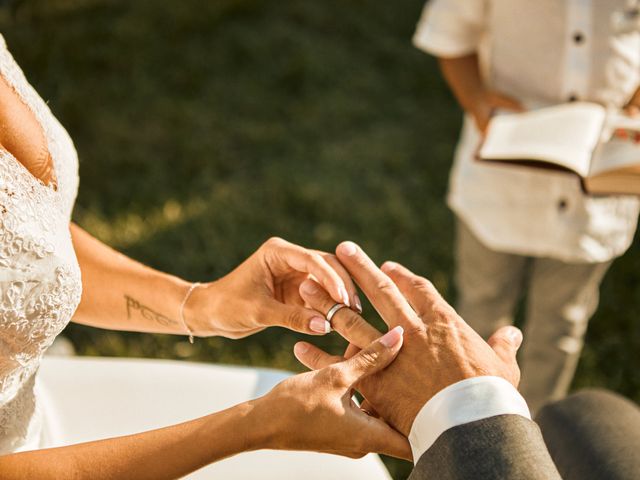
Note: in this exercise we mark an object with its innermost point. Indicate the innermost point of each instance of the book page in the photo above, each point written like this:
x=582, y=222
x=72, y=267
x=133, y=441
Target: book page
x=616, y=154
x=565, y=134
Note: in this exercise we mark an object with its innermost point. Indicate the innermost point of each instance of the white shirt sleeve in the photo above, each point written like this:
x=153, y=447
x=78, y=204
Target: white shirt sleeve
x=464, y=402
x=451, y=28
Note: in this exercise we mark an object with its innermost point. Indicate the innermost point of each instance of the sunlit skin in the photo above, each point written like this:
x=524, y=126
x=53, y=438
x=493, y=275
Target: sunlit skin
x=439, y=349
x=314, y=411
x=261, y=292
x=22, y=135
x=311, y=411
x=464, y=77
x=122, y=294
x=277, y=286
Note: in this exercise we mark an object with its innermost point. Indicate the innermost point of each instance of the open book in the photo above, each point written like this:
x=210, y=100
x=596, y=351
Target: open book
x=573, y=136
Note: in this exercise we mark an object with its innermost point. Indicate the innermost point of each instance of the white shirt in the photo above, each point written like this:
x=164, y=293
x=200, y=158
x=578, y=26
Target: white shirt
x=541, y=52
x=464, y=402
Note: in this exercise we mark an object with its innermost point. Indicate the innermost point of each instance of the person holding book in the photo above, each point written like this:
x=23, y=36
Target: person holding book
x=598, y=144
x=519, y=226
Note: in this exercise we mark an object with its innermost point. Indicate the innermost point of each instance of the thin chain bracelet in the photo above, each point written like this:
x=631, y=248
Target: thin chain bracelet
x=193, y=286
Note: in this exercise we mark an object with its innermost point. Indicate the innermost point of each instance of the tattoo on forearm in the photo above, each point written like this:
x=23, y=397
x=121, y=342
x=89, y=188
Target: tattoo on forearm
x=147, y=313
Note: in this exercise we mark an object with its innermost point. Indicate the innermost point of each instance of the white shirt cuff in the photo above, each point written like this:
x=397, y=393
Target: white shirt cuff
x=464, y=402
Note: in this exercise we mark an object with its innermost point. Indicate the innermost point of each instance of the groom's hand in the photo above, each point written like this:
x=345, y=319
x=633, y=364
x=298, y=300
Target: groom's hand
x=439, y=347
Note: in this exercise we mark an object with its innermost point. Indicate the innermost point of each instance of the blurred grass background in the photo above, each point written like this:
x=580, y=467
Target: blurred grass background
x=204, y=128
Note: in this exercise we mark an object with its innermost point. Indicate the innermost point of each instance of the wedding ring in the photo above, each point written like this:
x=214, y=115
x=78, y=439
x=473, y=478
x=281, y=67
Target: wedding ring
x=333, y=310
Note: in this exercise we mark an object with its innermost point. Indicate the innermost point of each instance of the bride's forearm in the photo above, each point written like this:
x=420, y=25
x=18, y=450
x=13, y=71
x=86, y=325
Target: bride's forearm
x=122, y=294
x=166, y=453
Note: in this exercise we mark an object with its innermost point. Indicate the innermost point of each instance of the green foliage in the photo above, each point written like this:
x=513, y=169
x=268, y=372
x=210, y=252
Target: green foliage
x=204, y=128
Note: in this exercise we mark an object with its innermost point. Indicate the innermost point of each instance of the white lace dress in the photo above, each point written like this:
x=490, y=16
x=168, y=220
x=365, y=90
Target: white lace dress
x=40, y=283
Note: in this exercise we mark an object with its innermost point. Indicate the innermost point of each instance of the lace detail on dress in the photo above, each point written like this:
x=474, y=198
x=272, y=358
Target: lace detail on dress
x=17, y=416
x=63, y=153
x=40, y=284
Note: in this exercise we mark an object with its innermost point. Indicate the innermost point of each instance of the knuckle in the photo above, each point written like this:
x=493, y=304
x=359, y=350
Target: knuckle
x=311, y=257
x=335, y=376
x=319, y=301
x=385, y=285
x=442, y=311
x=349, y=321
x=295, y=318
x=330, y=257
x=415, y=329
x=314, y=258
x=313, y=359
x=369, y=357
x=421, y=283
x=505, y=344
x=275, y=242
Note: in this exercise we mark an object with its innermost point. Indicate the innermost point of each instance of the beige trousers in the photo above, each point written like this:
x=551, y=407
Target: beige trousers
x=561, y=297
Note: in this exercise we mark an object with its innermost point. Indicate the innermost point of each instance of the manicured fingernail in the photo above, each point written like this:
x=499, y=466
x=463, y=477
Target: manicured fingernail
x=348, y=248
x=345, y=296
x=392, y=337
x=358, y=303
x=309, y=287
x=515, y=335
x=300, y=348
x=320, y=325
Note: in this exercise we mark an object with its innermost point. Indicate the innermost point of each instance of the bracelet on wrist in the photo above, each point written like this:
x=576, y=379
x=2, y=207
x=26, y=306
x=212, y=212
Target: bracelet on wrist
x=193, y=286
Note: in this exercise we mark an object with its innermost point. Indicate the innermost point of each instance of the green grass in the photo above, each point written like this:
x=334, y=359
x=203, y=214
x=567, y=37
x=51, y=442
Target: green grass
x=204, y=128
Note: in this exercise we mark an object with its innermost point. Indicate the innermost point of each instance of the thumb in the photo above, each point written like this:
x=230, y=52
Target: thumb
x=505, y=342
x=384, y=439
x=350, y=351
x=298, y=319
x=376, y=356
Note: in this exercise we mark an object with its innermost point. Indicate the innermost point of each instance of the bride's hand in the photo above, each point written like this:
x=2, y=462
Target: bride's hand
x=264, y=291
x=315, y=411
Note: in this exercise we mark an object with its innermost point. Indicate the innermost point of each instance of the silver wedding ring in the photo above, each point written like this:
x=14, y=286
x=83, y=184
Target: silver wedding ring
x=333, y=310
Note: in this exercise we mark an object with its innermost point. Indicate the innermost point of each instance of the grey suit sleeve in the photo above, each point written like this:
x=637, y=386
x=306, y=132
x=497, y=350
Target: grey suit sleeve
x=501, y=447
x=593, y=434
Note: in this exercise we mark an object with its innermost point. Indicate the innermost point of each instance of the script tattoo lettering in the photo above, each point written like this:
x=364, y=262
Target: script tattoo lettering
x=147, y=313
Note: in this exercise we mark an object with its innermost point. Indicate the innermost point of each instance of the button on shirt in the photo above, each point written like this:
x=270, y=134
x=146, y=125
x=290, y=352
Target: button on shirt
x=542, y=53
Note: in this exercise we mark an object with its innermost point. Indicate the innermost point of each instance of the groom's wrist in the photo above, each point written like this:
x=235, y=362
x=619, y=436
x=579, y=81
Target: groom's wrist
x=463, y=402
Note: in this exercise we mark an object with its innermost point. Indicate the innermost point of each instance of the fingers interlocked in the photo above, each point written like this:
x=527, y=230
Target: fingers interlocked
x=346, y=373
